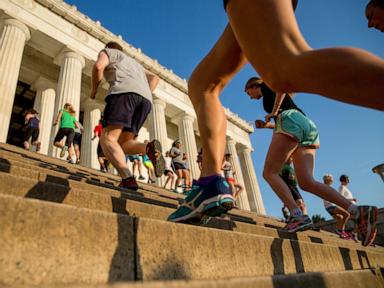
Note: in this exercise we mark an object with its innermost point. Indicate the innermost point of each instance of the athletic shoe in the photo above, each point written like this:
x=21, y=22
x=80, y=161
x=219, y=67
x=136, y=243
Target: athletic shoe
x=141, y=177
x=104, y=170
x=63, y=151
x=154, y=153
x=38, y=146
x=342, y=234
x=366, y=224
x=129, y=183
x=298, y=223
x=212, y=200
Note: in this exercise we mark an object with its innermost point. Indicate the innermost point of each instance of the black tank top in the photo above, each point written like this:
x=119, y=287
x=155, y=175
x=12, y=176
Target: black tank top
x=269, y=100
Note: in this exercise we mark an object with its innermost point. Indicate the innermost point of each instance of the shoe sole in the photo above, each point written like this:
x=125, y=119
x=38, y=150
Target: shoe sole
x=62, y=153
x=211, y=207
x=371, y=227
x=307, y=226
x=158, y=162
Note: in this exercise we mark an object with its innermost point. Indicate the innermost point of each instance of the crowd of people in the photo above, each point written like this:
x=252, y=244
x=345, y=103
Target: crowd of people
x=266, y=34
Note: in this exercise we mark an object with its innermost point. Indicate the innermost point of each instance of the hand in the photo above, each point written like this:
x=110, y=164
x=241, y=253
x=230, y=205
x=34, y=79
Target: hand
x=260, y=124
x=55, y=123
x=268, y=117
x=93, y=95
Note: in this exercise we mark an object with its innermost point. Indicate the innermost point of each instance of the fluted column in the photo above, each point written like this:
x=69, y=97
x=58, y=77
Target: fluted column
x=243, y=197
x=12, y=42
x=92, y=115
x=187, y=136
x=45, y=104
x=250, y=181
x=69, y=85
x=159, y=127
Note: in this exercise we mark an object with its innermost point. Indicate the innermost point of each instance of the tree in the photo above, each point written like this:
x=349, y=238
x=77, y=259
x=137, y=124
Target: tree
x=317, y=218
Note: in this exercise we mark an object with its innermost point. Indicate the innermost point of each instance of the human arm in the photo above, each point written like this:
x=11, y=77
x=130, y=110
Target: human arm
x=153, y=80
x=261, y=124
x=276, y=106
x=58, y=118
x=97, y=72
x=28, y=117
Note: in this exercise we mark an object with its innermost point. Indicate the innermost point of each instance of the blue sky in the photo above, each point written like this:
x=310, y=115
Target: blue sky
x=178, y=33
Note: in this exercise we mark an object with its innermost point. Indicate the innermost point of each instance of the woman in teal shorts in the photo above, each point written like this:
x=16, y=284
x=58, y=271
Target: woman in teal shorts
x=296, y=136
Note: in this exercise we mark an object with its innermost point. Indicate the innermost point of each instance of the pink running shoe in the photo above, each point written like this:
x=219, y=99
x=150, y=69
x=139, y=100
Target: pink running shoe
x=298, y=223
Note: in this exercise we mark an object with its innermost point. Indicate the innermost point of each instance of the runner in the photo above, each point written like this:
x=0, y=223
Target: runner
x=67, y=121
x=296, y=136
x=168, y=171
x=128, y=105
x=339, y=214
x=100, y=154
x=236, y=187
x=32, y=122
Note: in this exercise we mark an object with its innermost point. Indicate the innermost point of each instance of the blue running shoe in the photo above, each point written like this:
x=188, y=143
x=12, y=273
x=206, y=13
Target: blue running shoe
x=210, y=200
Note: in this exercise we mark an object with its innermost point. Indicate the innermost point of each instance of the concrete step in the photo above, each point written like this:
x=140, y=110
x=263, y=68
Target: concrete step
x=48, y=243
x=133, y=203
x=23, y=168
x=357, y=279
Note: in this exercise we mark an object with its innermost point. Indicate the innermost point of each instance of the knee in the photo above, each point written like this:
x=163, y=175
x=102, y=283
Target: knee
x=200, y=88
x=307, y=184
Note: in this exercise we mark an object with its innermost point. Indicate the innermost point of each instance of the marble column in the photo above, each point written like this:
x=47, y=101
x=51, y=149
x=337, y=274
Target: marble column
x=92, y=115
x=250, y=181
x=45, y=104
x=69, y=85
x=187, y=137
x=12, y=41
x=159, y=127
x=243, y=197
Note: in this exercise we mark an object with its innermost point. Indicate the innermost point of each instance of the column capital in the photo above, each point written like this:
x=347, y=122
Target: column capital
x=68, y=53
x=42, y=83
x=246, y=149
x=159, y=101
x=184, y=116
x=230, y=140
x=90, y=104
x=20, y=25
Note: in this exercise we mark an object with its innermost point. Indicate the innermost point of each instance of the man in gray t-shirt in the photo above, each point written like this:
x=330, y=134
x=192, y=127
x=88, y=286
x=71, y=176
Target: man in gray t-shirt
x=128, y=104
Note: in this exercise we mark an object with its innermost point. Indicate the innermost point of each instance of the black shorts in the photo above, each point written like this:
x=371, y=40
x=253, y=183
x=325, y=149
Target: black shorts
x=100, y=152
x=68, y=132
x=77, y=139
x=295, y=192
x=31, y=132
x=179, y=166
x=167, y=171
x=128, y=110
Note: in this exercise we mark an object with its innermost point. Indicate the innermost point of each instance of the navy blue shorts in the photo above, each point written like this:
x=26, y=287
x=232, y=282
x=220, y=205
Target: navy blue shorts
x=128, y=110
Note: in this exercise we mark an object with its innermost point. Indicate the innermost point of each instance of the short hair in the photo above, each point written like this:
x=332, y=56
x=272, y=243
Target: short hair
x=114, y=45
x=254, y=81
x=327, y=176
x=378, y=3
x=344, y=178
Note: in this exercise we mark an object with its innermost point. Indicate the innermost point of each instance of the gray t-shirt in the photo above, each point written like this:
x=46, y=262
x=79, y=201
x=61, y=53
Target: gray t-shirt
x=177, y=156
x=124, y=74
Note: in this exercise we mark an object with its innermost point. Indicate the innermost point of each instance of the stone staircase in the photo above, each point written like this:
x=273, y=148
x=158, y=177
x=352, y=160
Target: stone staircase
x=64, y=225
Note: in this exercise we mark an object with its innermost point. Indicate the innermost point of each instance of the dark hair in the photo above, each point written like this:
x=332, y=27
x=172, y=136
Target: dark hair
x=344, y=178
x=378, y=3
x=254, y=81
x=114, y=45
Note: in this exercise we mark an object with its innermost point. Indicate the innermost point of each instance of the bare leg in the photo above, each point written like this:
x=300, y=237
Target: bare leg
x=26, y=145
x=304, y=160
x=280, y=149
x=205, y=85
x=113, y=151
x=301, y=204
x=269, y=36
x=131, y=146
x=342, y=219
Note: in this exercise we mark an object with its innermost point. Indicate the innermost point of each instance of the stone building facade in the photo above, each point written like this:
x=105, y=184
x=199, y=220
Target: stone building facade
x=47, y=50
